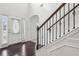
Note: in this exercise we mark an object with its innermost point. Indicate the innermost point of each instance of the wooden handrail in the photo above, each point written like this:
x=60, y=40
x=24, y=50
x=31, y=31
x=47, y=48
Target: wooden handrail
x=53, y=14
x=63, y=16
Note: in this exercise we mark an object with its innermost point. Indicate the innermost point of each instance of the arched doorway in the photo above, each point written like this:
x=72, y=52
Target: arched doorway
x=34, y=20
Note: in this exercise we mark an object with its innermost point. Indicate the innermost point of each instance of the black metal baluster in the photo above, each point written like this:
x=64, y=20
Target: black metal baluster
x=68, y=18
x=56, y=26
x=64, y=22
x=60, y=23
x=37, y=37
x=53, y=29
x=73, y=16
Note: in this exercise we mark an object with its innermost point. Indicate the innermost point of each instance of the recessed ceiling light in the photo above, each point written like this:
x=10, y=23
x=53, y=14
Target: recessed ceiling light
x=41, y=5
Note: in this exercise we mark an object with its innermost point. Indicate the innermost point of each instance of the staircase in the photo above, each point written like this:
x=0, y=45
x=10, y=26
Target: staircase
x=59, y=34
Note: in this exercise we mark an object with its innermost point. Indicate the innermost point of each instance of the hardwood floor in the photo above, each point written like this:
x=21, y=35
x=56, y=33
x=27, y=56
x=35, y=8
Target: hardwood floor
x=16, y=49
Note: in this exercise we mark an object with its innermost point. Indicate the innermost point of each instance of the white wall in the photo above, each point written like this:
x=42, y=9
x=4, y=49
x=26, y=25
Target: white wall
x=43, y=12
x=65, y=51
x=14, y=9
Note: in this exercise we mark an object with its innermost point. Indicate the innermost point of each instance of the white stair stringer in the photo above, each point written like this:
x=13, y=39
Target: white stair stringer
x=66, y=45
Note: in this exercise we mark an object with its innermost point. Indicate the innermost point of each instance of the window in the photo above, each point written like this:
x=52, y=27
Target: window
x=4, y=22
x=15, y=26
